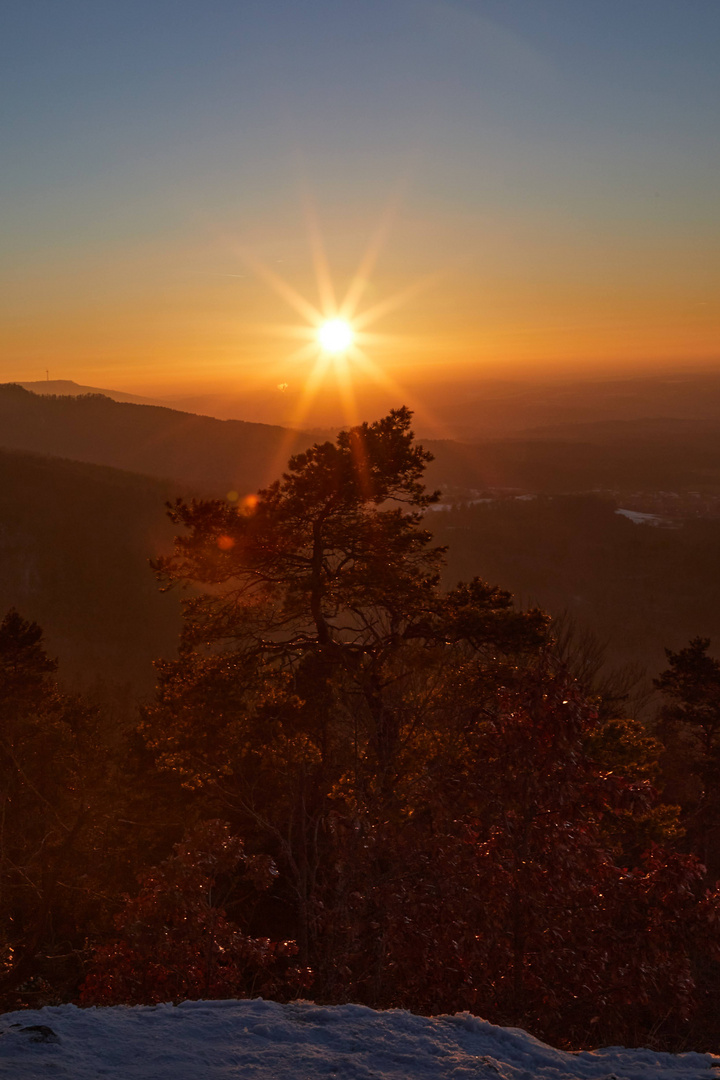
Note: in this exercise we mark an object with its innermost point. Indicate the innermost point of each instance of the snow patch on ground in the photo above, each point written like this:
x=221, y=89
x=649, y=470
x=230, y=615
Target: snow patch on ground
x=302, y=1041
x=639, y=518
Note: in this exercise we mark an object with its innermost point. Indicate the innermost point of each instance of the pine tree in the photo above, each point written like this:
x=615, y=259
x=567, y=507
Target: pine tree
x=313, y=662
x=689, y=726
x=49, y=768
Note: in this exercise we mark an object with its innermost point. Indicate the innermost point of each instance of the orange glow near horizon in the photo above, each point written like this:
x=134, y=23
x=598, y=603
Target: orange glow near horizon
x=205, y=356
x=209, y=333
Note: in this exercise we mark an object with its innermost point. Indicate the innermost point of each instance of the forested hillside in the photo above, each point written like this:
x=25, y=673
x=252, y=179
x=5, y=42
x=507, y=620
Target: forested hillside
x=75, y=541
x=667, y=454
x=638, y=587
x=197, y=452
x=77, y=538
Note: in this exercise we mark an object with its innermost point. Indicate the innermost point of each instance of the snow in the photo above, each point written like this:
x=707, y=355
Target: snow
x=639, y=518
x=445, y=506
x=266, y=1041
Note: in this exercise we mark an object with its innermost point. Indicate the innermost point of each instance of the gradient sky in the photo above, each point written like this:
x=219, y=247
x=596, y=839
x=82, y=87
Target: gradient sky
x=540, y=179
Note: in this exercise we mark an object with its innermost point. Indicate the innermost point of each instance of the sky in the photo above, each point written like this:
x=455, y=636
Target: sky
x=505, y=187
x=269, y=1041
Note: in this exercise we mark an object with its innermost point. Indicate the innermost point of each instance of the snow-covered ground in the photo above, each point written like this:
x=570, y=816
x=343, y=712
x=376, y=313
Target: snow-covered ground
x=209, y=1040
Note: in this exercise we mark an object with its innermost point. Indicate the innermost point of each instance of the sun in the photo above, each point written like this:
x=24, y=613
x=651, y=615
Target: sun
x=335, y=332
x=335, y=336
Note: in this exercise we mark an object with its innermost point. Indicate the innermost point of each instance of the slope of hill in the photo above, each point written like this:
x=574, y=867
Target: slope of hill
x=68, y=388
x=198, y=452
x=217, y=456
x=74, y=546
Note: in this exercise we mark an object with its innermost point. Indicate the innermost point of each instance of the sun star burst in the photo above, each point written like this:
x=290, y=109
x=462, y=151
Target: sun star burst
x=335, y=333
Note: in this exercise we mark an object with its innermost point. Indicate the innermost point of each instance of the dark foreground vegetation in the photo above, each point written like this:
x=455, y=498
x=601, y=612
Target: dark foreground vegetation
x=353, y=785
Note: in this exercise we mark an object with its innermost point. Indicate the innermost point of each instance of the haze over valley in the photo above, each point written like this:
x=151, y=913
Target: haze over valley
x=536, y=511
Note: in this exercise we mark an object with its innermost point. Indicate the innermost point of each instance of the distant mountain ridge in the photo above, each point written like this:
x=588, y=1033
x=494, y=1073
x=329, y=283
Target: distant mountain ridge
x=495, y=409
x=203, y=455
x=469, y=410
x=68, y=388
x=198, y=453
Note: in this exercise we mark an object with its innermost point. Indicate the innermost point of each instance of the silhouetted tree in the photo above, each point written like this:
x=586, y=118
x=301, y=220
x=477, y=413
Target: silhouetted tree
x=312, y=666
x=689, y=726
x=49, y=775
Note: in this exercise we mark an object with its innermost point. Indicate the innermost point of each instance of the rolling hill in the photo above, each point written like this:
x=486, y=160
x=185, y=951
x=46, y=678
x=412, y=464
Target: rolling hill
x=196, y=452
x=76, y=535
x=75, y=541
x=68, y=388
x=201, y=453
